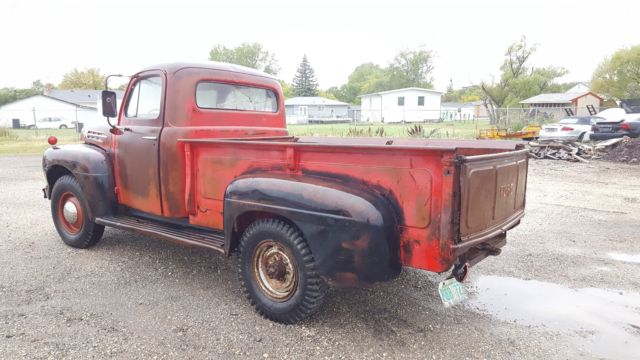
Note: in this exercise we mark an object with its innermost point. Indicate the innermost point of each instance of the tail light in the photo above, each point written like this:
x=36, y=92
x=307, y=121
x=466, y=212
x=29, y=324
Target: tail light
x=625, y=127
x=566, y=128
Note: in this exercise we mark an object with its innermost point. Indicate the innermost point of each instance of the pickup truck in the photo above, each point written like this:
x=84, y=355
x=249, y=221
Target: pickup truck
x=200, y=155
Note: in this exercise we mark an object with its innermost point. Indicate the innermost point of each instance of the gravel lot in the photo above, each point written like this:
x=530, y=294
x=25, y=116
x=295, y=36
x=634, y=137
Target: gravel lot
x=566, y=286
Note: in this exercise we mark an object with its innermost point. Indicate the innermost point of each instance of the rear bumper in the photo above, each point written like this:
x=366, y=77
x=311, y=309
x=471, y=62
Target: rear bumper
x=607, y=136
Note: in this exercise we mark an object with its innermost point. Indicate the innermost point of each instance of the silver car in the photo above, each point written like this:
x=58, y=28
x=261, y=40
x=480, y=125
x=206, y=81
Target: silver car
x=573, y=128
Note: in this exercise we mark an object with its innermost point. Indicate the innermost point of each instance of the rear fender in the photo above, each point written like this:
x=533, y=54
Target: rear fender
x=352, y=233
x=92, y=167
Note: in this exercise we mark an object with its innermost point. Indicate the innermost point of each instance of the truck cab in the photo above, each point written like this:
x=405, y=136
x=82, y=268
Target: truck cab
x=200, y=155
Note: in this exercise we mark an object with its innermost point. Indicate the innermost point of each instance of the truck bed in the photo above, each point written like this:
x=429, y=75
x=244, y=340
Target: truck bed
x=448, y=196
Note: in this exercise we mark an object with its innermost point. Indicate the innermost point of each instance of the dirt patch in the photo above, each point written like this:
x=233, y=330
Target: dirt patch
x=625, y=152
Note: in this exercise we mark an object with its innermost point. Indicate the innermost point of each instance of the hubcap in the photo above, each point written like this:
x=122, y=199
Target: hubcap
x=274, y=270
x=70, y=212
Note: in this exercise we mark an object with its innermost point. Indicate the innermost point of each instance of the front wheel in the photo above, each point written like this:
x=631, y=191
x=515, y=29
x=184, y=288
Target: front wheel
x=278, y=272
x=70, y=215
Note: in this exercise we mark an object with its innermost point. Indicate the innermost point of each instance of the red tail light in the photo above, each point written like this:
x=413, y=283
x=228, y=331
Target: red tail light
x=566, y=128
x=625, y=127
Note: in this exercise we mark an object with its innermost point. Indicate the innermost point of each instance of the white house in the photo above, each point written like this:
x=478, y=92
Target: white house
x=401, y=105
x=457, y=111
x=82, y=106
x=28, y=111
x=316, y=109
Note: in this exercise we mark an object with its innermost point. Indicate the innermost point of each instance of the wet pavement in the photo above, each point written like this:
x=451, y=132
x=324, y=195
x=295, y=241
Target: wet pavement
x=605, y=322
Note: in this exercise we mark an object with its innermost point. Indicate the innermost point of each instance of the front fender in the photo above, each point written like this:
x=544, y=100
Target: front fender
x=93, y=168
x=351, y=232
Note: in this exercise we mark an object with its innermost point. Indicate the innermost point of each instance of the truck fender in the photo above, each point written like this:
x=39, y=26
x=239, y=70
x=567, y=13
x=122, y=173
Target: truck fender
x=93, y=168
x=351, y=232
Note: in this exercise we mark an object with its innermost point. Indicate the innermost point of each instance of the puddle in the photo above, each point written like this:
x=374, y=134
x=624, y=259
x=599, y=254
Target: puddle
x=604, y=322
x=625, y=257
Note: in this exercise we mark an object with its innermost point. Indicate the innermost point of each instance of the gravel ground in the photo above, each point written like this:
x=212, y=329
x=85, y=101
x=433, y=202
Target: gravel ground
x=565, y=286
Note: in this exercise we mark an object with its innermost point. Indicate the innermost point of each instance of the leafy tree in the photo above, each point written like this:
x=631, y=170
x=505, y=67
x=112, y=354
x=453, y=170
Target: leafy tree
x=286, y=89
x=618, y=76
x=518, y=80
x=411, y=68
x=304, y=82
x=90, y=78
x=464, y=95
x=11, y=94
x=251, y=55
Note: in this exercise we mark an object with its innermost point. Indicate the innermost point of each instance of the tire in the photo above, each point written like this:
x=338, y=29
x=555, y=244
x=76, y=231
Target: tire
x=278, y=273
x=31, y=127
x=81, y=233
x=581, y=137
x=63, y=126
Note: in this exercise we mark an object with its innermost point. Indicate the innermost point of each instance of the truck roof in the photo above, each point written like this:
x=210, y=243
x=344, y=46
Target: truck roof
x=211, y=65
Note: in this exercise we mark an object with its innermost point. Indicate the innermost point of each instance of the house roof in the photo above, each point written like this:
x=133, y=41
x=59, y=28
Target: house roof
x=556, y=98
x=79, y=96
x=403, y=89
x=51, y=98
x=456, y=105
x=312, y=100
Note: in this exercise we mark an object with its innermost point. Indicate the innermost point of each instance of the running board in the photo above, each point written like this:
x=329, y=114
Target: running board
x=173, y=233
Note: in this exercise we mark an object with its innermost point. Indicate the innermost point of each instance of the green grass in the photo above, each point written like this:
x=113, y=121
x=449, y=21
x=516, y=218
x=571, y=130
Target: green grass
x=442, y=130
x=24, y=141
x=33, y=141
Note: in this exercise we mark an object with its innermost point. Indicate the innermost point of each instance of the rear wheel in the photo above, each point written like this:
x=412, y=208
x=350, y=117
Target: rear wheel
x=278, y=272
x=70, y=215
x=63, y=126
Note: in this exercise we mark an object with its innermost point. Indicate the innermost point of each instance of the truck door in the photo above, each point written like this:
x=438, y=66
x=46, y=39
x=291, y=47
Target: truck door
x=137, y=151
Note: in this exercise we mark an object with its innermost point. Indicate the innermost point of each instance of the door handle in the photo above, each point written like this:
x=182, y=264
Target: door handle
x=153, y=138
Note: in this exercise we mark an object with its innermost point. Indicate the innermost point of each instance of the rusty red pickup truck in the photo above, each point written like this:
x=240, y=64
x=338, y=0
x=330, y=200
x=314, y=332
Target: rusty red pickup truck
x=200, y=155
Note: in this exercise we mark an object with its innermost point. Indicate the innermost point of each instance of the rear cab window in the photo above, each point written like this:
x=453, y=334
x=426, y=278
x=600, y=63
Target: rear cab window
x=222, y=96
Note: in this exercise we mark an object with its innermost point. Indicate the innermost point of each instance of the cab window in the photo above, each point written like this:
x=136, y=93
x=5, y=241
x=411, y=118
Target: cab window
x=211, y=95
x=145, y=99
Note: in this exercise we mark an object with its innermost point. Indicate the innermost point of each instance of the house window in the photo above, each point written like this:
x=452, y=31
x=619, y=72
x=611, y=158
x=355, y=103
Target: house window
x=420, y=100
x=400, y=100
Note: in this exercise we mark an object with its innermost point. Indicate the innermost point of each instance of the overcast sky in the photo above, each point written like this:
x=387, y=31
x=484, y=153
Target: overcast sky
x=45, y=39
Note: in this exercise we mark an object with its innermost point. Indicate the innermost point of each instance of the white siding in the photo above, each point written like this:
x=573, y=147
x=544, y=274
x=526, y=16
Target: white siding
x=384, y=107
x=41, y=107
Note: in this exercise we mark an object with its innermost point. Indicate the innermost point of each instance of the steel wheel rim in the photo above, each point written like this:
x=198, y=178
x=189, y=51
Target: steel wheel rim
x=275, y=270
x=65, y=213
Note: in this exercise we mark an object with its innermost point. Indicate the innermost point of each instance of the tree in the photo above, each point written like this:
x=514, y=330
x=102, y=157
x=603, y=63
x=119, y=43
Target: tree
x=247, y=54
x=287, y=91
x=304, y=82
x=83, y=79
x=518, y=80
x=412, y=68
x=11, y=94
x=618, y=76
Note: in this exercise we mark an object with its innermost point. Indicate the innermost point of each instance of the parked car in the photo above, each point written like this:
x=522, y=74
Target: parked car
x=53, y=123
x=616, y=129
x=570, y=128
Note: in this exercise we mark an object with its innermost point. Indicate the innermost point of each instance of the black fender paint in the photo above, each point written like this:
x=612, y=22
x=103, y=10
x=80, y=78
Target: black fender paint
x=93, y=168
x=347, y=228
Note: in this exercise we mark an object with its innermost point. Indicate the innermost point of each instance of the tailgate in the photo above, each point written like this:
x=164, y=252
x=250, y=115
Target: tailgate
x=492, y=193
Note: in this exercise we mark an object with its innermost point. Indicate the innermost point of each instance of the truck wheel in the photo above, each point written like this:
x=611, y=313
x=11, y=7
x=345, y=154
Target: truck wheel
x=278, y=272
x=63, y=126
x=70, y=216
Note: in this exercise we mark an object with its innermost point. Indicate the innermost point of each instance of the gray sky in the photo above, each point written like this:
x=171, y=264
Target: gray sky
x=45, y=39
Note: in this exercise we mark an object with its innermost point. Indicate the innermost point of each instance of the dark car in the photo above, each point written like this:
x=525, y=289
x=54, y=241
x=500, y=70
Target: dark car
x=630, y=126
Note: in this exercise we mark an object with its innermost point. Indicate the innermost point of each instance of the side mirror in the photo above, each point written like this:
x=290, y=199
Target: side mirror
x=109, y=104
